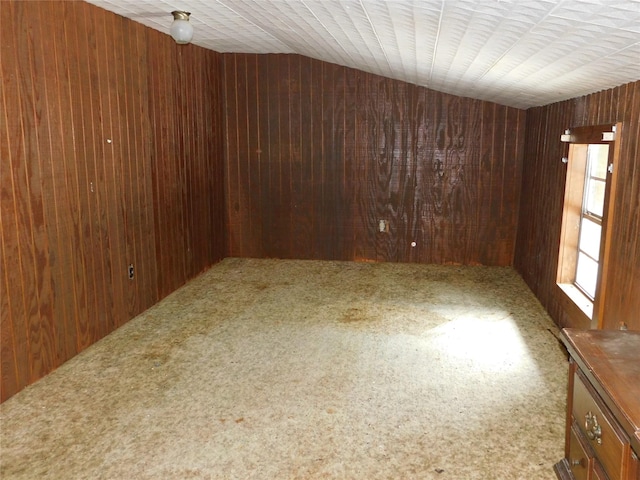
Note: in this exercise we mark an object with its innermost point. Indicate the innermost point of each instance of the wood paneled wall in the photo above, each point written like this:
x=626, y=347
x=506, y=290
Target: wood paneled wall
x=187, y=155
x=110, y=154
x=543, y=193
x=317, y=154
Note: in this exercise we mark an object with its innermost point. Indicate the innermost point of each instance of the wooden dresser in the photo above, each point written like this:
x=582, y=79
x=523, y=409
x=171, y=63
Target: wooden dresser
x=603, y=406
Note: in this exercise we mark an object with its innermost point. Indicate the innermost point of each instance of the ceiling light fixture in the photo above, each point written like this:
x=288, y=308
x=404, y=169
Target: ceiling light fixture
x=181, y=29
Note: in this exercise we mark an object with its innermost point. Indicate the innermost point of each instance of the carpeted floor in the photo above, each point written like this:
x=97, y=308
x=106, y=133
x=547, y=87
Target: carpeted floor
x=273, y=369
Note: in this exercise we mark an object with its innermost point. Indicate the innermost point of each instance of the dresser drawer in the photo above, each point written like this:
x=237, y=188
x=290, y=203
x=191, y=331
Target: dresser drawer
x=608, y=444
x=634, y=466
x=597, y=473
x=579, y=461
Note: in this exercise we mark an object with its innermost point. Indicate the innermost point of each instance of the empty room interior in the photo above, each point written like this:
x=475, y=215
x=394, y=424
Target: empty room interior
x=300, y=239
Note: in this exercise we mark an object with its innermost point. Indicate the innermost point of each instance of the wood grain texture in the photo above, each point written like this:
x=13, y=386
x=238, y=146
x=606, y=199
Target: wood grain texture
x=317, y=154
x=111, y=153
x=186, y=159
x=543, y=192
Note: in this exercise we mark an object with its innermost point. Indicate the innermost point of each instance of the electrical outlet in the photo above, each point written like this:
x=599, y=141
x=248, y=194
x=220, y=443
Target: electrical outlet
x=383, y=226
x=131, y=271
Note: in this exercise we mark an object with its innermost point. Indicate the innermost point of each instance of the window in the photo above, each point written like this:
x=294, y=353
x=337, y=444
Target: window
x=583, y=244
x=590, y=234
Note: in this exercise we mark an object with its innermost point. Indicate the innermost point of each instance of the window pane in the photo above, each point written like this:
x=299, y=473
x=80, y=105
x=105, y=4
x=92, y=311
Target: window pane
x=587, y=274
x=598, y=158
x=590, y=233
x=595, y=197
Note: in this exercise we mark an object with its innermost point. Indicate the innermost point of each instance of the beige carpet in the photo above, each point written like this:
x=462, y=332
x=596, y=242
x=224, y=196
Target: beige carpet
x=274, y=369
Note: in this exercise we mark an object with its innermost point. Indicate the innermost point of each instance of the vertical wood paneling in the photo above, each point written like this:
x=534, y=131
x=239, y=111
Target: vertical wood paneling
x=317, y=154
x=384, y=141
x=281, y=111
x=350, y=175
x=124, y=57
x=254, y=172
x=302, y=198
x=543, y=192
x=472, y=141
x=41, y=338
x=334, y=197
x=233, y=225
x=25, y=174
x=264, y=166
x=16, y=364
x=74, y=73
x=341, y=150
x=298, y=240
x=163, y=160
x=246, y=215
x=8, y=370
x=364, y=221
x=67, y=264
x=142, y=171
x=93, y=153
x=111, y=153
x=623, y=302
x=246, y=158
x=105, y=186
x=187, y=172
x=115, y=164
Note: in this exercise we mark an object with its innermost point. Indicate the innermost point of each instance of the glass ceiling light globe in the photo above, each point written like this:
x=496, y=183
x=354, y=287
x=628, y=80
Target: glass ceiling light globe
x=181, y=30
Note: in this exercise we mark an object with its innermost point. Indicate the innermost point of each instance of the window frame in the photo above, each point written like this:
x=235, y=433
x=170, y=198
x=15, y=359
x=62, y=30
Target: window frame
x=586, y=312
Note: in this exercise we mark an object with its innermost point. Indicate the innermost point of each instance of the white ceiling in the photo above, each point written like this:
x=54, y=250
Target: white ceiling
x=520, y=53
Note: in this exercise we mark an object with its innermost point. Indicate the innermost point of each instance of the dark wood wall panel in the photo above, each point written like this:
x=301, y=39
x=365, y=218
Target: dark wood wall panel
x=186, y=160
x=317, y=154
x=111, y=153
x=542, y=195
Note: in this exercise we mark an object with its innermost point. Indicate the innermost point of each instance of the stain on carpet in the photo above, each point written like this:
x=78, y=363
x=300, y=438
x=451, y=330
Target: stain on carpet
x=353, y=315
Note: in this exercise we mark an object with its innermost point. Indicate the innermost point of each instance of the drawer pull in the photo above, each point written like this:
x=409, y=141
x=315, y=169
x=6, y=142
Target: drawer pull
x=592, y=428
x=577, y=463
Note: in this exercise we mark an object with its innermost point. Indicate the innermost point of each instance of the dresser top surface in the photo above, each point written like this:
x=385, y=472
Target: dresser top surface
x=611, y=358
